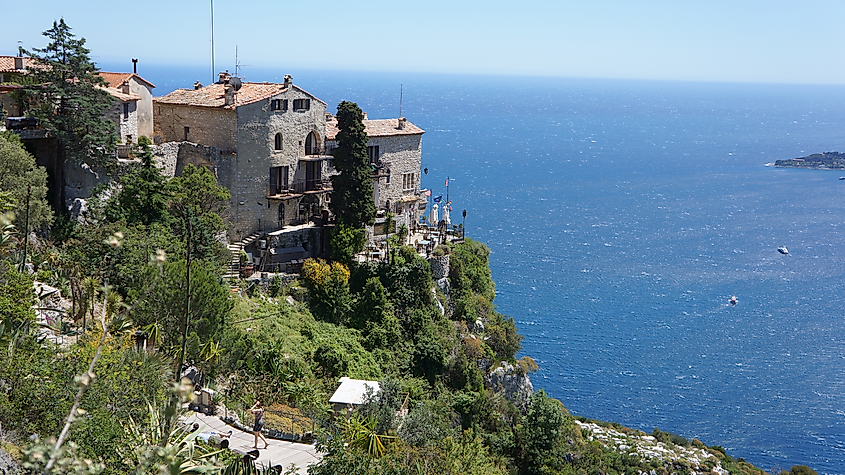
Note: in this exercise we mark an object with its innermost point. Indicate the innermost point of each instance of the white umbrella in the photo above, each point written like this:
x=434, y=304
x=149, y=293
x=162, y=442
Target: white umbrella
x=446, y=215
x=432, y=219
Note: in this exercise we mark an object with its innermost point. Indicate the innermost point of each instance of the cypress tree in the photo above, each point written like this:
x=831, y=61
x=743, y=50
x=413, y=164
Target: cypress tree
x=352, y=198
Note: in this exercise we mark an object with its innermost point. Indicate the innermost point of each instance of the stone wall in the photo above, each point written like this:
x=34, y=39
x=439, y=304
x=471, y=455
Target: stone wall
x=211, y=126
x=126, y=128
x=402, y=155
x=439, y=266
x=173, y=157
x=257, y=126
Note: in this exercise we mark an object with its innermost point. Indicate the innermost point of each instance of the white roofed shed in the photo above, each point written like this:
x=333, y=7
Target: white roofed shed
x=352, y=392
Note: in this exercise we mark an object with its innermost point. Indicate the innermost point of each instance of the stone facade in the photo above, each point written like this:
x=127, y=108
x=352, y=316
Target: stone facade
x=133, y=112
x=202, y=125
x=395, y=148
x=124, y=113
x=275, y=143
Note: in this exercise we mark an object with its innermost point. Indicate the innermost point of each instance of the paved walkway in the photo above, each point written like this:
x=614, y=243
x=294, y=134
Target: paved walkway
x=278, y=452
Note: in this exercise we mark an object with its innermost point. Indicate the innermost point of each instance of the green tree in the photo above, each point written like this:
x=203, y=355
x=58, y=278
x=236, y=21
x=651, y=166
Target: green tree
x=163, y=302
x=799, y=470
x=69, y=97
x=16, y=299
x=20, y=175
x=141, y=198
x=197, y=199
x=352, y=195
x=546, y=435
x=328, y=285
x=346, y=241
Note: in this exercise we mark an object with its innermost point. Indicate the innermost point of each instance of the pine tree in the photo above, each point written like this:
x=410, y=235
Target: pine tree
x=352, y=198
x=69, y=97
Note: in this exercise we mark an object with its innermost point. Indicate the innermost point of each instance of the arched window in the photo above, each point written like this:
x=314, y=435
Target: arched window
x=312, y=144
x=278, y=141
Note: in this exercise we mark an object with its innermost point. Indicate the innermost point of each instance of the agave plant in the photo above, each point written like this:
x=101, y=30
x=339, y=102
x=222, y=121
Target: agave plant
x=362, y=433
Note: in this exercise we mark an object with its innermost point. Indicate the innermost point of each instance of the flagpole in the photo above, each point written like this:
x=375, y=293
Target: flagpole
x=447, y=189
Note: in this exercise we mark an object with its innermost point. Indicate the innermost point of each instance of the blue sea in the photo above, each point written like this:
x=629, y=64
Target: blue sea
x=622, y=216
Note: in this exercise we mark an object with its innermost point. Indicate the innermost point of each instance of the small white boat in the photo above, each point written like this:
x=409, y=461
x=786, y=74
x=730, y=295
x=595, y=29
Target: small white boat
x=783, y=250
x=733, y=300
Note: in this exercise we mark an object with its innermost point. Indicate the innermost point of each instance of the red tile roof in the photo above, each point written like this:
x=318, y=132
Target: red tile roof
x=212, y=95
x=7, y=64
x=376, y=128
x=117, y=93
x=116, y=79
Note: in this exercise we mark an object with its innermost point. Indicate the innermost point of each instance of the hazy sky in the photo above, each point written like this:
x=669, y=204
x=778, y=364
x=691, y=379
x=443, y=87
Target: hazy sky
x=744, y=41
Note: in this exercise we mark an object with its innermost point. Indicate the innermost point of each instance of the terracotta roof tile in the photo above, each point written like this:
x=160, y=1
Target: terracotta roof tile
x=212, y=95
x=376, y=128
x=116, y=79
x=117, y=93
x=7, y=65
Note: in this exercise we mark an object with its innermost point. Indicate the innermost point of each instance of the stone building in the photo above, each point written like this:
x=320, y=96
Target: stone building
x=12, y=68
x=271, y=139
x=395, y=150
x=133, y=108
x=273, y=148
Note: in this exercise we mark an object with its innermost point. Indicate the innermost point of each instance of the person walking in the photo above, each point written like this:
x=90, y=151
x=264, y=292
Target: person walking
x=258, y=412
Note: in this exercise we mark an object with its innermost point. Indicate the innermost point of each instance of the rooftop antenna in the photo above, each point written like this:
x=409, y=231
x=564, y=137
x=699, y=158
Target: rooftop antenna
x=212, y=42
x=400, y=99
x=238, y=65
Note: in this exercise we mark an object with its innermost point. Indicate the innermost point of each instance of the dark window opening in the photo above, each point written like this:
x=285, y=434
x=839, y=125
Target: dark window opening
x=301, y=104
x=278, y=142
x=125, y=111
x=278, y=180
x=312, y=144
x=281, y=215
x=187, y=131
x=372, y=152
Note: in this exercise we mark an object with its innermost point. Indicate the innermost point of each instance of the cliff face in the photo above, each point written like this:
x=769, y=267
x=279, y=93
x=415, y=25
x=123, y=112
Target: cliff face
x=514, y=385
x=8, y=465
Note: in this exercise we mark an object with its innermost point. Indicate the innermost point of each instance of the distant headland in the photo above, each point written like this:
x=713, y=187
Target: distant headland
x=821, y=161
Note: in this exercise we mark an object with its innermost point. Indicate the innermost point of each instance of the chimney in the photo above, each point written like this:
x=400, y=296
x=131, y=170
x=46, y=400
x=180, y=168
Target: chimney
x=197, y=85
x=402, y=121
x=134, y=65
x=124, y=88
x=365, y=116
x=18, y=62
x=222, y=78
x=228, y=94
x=288, y=80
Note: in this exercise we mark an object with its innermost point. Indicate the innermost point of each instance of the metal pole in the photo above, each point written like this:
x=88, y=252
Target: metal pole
x=212, y=42
x=26, y=229
x=187, y=302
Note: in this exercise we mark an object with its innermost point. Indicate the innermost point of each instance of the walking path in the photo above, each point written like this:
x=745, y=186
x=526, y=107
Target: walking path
x=278, y=452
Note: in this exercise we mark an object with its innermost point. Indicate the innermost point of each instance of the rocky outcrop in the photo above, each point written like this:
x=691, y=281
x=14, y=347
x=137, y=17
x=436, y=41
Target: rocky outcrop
x=512, y=383
x=693, y=460
x=8, y=465
x=440, y=271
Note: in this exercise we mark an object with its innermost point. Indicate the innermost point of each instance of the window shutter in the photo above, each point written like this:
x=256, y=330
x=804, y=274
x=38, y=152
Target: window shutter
x=285, y=105
x=307, y=104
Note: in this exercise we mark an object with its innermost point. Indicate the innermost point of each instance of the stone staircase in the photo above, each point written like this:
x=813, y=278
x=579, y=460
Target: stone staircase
x=235, y=248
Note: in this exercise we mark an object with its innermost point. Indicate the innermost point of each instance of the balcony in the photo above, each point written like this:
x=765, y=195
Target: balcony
x=297, y=188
